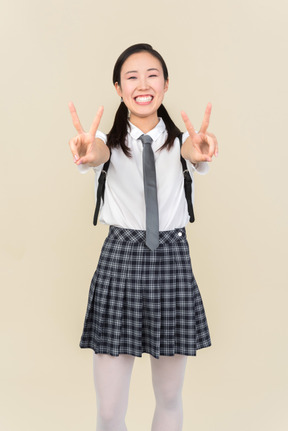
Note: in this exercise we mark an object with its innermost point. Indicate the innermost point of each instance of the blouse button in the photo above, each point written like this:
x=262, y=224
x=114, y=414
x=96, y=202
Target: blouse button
x=179, y=233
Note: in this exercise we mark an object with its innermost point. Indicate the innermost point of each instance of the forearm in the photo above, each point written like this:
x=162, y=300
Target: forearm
x=187, y=151
x=100, y=155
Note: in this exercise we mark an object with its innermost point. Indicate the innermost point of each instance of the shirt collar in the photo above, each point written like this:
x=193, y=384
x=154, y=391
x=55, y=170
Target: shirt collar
x=154, y=133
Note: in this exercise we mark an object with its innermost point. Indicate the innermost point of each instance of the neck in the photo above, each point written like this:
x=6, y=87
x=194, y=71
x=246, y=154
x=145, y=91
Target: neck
x=146, y=123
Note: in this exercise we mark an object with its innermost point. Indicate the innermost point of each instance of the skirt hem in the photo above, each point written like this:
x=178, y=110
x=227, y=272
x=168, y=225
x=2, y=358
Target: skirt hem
x=139, y=354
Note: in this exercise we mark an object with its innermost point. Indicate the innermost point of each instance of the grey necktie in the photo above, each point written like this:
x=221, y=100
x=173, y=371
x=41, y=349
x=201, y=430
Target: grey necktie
x=150, y=192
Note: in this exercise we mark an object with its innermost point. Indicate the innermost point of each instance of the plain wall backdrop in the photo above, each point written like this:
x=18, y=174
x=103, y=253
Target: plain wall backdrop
x=232, y=53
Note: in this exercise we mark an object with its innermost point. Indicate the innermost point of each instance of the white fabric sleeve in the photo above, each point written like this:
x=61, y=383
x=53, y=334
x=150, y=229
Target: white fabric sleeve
x=84, y=168
x=201, y=168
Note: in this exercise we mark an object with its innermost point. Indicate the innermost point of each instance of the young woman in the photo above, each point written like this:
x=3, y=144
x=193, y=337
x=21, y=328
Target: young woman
x=143, y=298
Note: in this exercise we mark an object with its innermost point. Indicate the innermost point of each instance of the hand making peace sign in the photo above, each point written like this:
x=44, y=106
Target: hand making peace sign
x=84, y=147
x=201, y=146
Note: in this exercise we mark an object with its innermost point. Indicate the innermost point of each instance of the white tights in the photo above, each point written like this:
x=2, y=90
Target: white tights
x=112, y=380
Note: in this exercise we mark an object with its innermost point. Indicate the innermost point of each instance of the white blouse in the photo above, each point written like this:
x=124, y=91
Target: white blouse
x=124, y=204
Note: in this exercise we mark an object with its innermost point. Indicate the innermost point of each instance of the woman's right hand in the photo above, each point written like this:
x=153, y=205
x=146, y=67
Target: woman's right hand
x=83, y=146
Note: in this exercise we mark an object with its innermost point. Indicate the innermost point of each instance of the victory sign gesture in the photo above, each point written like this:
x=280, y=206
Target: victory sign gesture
x=85, y=147
x=201, y=146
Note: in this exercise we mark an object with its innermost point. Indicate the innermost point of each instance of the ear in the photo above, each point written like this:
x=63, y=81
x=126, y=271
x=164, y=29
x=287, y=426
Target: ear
x=118, y=89
x=166, y=85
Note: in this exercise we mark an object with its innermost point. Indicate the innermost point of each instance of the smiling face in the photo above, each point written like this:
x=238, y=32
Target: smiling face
x=142, y=87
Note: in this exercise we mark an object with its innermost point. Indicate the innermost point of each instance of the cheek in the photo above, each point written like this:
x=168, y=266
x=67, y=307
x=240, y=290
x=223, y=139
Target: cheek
x=127, y=90
x=161, y=91
x=162, y=88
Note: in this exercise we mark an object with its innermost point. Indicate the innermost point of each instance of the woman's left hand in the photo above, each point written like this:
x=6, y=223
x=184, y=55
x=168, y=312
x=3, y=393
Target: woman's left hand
x=201, y=146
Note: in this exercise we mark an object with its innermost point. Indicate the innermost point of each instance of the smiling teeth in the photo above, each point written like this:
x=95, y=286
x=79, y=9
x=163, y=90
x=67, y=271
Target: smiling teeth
x=143, y=99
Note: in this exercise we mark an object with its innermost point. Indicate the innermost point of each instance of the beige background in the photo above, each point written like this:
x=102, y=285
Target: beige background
x=232, y=53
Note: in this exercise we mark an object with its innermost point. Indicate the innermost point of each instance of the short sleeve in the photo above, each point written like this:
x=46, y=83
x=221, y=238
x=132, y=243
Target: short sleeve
x=102, y=136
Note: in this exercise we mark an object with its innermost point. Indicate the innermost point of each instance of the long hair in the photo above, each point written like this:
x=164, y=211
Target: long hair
x=117, y=135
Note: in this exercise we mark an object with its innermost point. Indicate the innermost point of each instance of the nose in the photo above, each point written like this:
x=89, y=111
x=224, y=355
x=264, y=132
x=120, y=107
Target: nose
x=143, y=84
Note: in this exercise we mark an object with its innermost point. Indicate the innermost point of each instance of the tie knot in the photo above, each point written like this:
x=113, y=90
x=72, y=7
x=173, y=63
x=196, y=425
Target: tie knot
x=146, y=139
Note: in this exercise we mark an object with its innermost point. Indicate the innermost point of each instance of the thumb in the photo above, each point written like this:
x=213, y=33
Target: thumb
x=203, y=158
x=83, y=160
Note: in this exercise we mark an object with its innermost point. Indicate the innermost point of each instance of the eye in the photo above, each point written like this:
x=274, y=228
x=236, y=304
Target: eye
x=153, y=76
x=132, y=77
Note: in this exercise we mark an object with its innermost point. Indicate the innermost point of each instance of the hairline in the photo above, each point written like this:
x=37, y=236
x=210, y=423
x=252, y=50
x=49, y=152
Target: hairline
x=154, y=53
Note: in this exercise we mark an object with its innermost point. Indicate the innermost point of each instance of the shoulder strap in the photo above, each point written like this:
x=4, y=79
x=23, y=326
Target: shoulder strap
x=187, y=184
x=100, y=190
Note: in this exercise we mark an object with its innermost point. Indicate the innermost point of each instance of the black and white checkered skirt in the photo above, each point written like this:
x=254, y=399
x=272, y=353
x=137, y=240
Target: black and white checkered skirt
x=143, y=301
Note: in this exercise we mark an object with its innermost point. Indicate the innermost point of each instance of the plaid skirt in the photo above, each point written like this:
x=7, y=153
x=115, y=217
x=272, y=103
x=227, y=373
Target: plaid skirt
x=143, y=301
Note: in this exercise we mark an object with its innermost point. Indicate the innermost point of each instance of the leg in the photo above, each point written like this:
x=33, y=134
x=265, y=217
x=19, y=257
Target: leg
x=168, y=376
x=112, y=380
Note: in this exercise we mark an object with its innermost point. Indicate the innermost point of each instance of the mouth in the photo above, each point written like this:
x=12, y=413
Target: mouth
x=143, y=100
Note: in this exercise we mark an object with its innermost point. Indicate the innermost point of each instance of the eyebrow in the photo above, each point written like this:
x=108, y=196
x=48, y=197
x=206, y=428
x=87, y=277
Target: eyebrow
x=148, y=70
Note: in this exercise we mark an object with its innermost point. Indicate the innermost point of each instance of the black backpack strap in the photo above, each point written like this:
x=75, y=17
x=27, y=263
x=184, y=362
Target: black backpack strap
x=100, y=190
x=187, y=184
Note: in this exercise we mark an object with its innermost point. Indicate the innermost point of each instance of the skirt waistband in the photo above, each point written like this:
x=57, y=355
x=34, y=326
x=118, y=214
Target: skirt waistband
x=139, y=236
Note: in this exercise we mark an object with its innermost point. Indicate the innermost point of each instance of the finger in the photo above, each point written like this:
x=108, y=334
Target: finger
x=206, y=119
x=75, y=118
x=84, y=160
x=96, y=121
x=215, y=142
x=216, y=152
x=190, y=129
x=206, y=146
x=73, y=143
x=212, y=145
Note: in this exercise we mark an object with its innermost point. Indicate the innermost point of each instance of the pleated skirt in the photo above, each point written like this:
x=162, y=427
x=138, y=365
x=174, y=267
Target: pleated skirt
x=143, y=301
